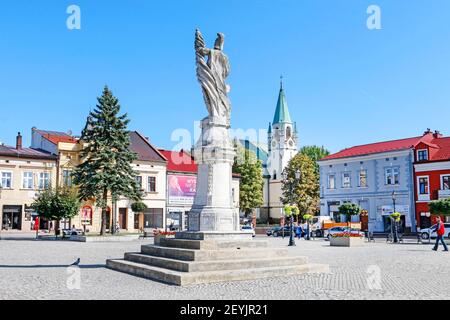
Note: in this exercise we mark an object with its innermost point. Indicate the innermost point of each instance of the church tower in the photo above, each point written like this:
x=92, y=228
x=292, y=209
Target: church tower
x=282, y=138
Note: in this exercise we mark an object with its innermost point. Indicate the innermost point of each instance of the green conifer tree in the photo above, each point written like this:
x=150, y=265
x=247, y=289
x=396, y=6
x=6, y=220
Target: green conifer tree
x=106, y=168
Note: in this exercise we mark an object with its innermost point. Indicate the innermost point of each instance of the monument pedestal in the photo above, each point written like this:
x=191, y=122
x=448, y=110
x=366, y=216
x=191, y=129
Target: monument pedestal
x=213, y=208
x=188, y=261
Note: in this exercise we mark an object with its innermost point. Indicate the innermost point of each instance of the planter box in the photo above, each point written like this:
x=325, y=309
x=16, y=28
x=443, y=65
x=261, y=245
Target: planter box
x=346, y=242
x=158, y=238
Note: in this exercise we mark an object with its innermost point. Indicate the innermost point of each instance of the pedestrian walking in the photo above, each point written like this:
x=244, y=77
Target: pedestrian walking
x=299, y=231
x=440, y=231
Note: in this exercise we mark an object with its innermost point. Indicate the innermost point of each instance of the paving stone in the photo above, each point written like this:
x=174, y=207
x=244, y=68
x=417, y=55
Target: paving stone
x=39, y=270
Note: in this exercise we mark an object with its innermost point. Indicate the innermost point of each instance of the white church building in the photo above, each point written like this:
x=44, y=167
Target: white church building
x=282, y=142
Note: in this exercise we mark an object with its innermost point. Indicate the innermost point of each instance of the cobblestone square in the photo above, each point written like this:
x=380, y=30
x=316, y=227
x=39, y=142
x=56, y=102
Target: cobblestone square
x=39, y=270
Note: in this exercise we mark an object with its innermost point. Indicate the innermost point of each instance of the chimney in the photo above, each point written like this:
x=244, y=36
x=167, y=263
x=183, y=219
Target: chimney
x=437, y=134
x=19, y=141
x=427, y=132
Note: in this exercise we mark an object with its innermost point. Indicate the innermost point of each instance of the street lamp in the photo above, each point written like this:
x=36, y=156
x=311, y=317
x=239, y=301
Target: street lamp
x=292, y=185
x=394, y=198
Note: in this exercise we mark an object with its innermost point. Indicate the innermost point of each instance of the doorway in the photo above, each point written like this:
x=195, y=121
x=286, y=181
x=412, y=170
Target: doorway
x=123, y=213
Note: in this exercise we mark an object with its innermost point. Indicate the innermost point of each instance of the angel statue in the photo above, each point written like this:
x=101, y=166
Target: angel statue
x=211, y=74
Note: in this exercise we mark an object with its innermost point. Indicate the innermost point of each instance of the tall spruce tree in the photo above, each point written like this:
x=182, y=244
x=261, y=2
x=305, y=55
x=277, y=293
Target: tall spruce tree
x=106, y=169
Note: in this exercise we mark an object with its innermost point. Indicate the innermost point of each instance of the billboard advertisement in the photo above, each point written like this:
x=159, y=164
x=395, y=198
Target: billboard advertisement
x=182, y=189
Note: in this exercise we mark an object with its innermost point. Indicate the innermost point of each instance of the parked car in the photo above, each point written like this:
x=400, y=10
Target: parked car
x=427, y=234
x=244, y=228
x=335, y=230
x=278, y=231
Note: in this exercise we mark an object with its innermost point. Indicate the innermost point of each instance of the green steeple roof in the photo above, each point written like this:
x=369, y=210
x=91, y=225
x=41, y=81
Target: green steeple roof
x=282, y=111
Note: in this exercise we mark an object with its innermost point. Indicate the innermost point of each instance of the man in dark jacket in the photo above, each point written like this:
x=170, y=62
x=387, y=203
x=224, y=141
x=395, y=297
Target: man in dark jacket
x=440, y=231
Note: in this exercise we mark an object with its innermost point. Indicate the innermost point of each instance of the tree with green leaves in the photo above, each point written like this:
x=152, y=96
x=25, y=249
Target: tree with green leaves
x=251, y=186
x=349, y=210
x=315, y=153
x=303, y=192
x=138, y=207
x=106, y=170
x=440, y=207
x=57, y=204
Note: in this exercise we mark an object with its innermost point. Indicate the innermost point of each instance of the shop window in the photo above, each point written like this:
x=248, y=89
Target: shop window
x=86, y=215
x=153, y=218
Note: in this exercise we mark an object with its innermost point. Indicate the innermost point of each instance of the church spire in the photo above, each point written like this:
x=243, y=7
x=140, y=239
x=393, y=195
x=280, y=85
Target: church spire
x=282, y=112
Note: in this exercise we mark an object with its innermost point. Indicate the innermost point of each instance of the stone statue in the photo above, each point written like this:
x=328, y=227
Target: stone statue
x=213, y=209
x=212, y=74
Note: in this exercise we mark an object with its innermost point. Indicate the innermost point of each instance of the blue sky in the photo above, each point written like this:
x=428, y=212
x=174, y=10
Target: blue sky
x=345, y=84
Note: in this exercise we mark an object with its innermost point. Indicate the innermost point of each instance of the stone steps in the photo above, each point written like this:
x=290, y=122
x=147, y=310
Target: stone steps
x=211, y=244
x=198, y=266
x=190, y=278
x=212, y=255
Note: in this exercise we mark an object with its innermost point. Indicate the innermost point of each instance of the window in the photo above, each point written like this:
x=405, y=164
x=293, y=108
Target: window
x=446, y=183
x=139, y=181
x=346, y=180
x=27, y=180
x=153, y=218
x=422, y=155
x=67, y=178
x=392, y=176
x=44, y=180
x=331, y=181
x=6, y=182
x=288, y=132
x=423, y=185
x=362, y=181
x=151, y=184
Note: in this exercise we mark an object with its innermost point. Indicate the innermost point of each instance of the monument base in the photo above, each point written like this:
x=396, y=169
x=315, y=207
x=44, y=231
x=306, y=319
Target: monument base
x=205, y=257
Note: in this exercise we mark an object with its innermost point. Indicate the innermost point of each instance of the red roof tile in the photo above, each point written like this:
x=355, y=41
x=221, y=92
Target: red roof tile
x=55, y=136
x=444, y=149
x=373, y=148
x=179, y=161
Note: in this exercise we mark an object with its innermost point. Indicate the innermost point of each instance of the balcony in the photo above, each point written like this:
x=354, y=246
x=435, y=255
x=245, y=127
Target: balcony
x=443, y=194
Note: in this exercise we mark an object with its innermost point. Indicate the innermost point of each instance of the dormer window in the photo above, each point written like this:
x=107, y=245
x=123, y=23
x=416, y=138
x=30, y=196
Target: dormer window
x=422, y=155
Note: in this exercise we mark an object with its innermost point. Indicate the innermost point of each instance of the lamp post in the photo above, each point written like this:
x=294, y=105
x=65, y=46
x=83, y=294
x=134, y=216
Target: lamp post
x=291, y=229
x=394, y=198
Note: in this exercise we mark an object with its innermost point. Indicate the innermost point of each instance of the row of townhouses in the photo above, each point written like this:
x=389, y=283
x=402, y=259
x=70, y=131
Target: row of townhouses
x=168, y=179
x=402, y=175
